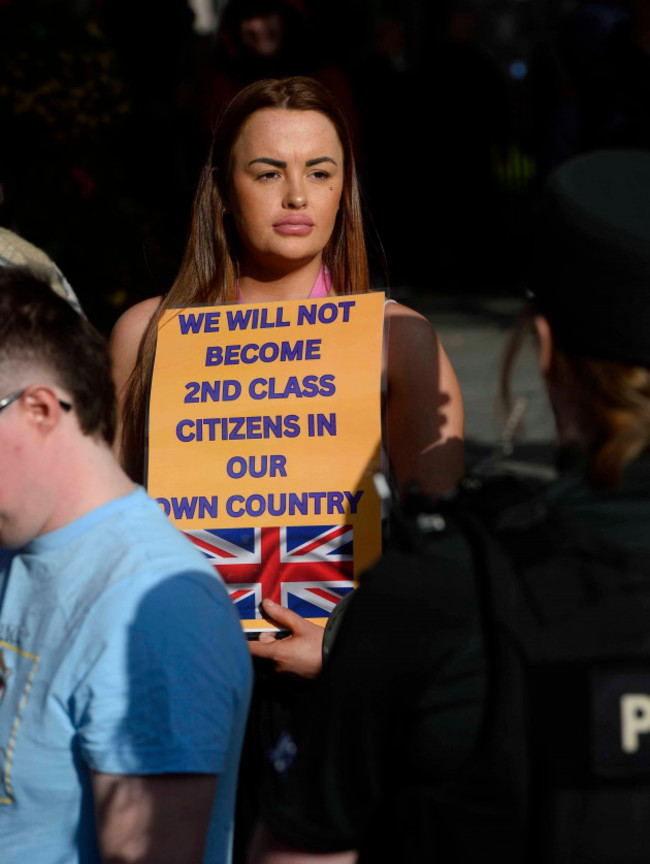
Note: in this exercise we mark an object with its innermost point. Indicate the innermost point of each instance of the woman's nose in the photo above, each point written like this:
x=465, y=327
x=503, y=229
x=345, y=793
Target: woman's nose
x=295, y=197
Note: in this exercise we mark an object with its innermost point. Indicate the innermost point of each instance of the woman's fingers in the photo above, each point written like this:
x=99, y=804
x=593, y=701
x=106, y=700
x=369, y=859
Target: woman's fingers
x=297, y=654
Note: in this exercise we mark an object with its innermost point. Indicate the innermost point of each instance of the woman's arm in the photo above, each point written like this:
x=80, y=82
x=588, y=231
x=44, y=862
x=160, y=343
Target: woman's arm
x=124, y=344
x=423, y=429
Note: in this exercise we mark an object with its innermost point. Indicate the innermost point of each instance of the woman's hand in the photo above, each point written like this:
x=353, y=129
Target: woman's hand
x=301, y=653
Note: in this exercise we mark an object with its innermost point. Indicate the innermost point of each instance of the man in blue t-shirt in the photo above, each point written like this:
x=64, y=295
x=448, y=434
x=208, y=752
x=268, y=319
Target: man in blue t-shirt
x=124, y=675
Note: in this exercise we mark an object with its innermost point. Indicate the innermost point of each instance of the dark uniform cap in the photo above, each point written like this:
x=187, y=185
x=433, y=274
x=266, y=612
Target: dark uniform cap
x=591, y=271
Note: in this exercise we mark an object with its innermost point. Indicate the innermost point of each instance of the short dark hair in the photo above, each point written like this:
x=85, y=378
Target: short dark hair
x=37, y=326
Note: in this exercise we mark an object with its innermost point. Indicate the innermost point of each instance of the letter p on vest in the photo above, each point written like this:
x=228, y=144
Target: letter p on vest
x=635, y=720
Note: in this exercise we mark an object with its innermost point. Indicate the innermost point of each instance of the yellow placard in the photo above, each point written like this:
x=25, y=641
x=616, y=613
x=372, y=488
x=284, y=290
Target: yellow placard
x=267, y=416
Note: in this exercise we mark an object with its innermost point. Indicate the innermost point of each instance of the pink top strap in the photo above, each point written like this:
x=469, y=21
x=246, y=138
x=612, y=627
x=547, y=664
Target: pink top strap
x=321, y=287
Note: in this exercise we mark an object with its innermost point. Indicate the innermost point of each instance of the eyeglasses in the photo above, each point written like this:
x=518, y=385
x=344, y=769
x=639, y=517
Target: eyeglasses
x=6, y=402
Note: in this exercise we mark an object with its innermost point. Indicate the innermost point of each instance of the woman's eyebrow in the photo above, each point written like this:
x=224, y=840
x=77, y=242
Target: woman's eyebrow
x=277, y=163
x=311, y=162
x=268, y=161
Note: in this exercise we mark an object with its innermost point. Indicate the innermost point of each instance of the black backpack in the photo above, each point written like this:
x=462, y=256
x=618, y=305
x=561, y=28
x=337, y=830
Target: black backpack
x=565, y=745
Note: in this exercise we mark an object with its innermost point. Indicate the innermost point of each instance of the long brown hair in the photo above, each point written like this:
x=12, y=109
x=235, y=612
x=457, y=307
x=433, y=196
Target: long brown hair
x=210, y=266
x=609, y=402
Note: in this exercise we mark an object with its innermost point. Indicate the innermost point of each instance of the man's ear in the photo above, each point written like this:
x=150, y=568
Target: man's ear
x=546, y=346
x=42, y=409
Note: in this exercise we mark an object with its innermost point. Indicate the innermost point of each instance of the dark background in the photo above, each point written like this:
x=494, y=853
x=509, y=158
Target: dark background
x=458, y=110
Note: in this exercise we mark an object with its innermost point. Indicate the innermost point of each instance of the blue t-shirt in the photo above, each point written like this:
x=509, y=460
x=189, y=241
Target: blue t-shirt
x=120, y=651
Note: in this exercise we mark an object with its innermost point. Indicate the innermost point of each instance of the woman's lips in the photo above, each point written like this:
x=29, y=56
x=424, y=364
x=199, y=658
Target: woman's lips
x=293, y=225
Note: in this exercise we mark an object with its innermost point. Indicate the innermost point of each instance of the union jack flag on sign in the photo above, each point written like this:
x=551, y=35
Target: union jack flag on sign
x=306, y=568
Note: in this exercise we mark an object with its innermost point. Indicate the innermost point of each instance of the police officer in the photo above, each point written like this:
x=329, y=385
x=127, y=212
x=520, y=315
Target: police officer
x=488, y=692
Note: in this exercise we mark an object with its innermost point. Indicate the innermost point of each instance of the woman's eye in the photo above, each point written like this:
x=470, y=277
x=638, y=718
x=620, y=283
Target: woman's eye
x=320, y=175
x=268, y=175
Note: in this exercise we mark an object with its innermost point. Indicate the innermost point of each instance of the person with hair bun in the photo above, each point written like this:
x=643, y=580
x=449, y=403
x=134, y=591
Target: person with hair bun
x=277, y=216
x=504, y=714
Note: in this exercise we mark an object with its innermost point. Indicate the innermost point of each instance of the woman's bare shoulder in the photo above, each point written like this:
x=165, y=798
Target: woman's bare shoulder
x=125, y=339
x=132, y=323
x=408, y=331
x=399, y=310
x=409, y=318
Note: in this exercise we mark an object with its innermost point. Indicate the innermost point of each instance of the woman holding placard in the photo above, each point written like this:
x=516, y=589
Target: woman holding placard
x=277, y=216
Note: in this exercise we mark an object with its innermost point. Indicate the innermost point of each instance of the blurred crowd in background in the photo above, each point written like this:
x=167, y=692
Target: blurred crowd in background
x=458, y=109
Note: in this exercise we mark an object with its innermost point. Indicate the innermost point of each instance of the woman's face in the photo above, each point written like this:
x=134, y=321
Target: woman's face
x=285, y=188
